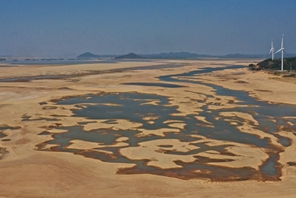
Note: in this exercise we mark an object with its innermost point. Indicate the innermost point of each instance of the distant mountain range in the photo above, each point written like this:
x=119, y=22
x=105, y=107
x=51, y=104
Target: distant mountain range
x=170, y=55
x=176, y=55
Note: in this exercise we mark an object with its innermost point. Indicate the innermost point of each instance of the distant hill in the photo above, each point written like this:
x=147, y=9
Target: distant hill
x=88, y=55
x=176, y=55
x=268, y=64
x=188, y=55
x=237, y=55
x=129, y=56
x=253, y=55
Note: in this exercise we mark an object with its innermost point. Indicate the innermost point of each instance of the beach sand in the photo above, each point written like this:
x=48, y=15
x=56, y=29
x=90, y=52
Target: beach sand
x=25, y=171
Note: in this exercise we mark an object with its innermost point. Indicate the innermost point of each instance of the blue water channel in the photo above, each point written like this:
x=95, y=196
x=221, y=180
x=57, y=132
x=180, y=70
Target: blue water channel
x=135, y=107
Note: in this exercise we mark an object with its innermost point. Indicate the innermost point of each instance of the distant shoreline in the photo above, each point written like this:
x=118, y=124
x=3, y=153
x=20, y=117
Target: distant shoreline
x=9, y=63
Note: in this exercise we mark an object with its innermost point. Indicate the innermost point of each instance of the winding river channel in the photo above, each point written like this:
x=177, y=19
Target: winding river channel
x=133, y=106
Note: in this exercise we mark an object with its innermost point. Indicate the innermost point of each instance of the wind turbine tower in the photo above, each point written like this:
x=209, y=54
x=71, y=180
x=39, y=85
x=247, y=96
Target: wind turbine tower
x=282, y=50
x=272, y=50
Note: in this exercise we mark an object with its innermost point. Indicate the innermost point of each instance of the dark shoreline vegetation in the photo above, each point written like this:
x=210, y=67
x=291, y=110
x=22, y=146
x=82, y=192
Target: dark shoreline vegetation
x=273, y=66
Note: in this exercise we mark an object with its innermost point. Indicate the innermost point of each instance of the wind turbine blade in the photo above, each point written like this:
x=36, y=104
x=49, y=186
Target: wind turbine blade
x=270, y=51
x=278, y=51
x=282, y=44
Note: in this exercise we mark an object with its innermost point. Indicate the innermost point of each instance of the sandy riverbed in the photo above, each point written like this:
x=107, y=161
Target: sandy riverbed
x=26, y=171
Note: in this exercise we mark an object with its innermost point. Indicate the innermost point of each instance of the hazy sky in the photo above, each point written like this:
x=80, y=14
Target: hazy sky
x=60, y=27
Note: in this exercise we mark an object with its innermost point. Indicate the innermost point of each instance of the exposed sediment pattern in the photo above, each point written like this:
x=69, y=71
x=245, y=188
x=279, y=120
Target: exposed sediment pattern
x=171, y=122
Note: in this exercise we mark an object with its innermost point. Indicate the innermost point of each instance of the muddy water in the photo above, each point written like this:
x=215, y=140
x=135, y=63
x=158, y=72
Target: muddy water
x=135, y=107
x=2, y=129
x=262, y=111
x=1, y=135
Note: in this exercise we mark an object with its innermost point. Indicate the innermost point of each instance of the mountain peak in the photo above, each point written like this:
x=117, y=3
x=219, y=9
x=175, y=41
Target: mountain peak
x=129, y=56
x=87, y=55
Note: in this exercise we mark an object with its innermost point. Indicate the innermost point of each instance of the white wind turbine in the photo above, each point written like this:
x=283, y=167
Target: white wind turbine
x=282, y=50
x=272, y=50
